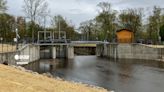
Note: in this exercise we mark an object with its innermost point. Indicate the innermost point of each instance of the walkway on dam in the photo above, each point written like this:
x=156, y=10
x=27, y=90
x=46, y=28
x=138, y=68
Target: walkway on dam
x=74, y=43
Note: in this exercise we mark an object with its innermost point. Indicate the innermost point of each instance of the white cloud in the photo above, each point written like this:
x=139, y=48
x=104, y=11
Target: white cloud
x=15, y=7
x=81, y=10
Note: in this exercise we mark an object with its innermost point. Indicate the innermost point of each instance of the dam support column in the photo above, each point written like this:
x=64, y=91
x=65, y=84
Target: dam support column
x=70, y=52
x=99, y=50
x=54, y=52
x=105, y=50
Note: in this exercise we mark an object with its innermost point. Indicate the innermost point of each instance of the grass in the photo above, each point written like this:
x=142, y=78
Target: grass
x=14, y=80
x=7, y=48
x=85, y=45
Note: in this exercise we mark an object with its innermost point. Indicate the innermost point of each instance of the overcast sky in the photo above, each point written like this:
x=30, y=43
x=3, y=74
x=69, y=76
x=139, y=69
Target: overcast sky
x=78, y=11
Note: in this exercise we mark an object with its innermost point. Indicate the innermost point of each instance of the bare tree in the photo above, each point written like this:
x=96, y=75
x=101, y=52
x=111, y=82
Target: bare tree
x=86, y=28
x=60, y=25
x=35, y=9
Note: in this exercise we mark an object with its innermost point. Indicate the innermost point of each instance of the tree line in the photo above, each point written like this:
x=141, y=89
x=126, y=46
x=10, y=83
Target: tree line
x=102, y=27
x=108, y=21
x=36, y=14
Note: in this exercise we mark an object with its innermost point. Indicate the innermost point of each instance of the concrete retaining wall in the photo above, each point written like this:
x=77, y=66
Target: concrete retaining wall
x=132, y=51
x=8, y=57
x=30, y=50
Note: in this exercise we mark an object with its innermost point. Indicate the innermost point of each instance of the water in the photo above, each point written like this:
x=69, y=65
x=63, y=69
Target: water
x=120, y=76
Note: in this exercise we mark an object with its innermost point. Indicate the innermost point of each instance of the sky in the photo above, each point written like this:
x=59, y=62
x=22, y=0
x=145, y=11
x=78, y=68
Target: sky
x=77, y=11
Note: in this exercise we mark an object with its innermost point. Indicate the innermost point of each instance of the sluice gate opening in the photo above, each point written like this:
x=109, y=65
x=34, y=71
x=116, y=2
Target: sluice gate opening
x=81, y=51
x=52, y=52
x=45, y=52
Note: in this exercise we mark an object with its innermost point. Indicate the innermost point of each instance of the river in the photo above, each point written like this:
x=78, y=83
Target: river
x=117, y=75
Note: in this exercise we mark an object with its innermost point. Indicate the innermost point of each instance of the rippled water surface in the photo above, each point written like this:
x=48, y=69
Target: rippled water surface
x=120, y=75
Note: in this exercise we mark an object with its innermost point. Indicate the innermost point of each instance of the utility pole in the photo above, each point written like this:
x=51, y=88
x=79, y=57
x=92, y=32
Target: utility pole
x=59, y=27
x=1, y=38
x=44, y=27
x=159, y=38
x=16, y=33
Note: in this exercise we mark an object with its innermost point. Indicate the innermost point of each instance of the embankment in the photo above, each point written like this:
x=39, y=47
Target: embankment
x=19, y=80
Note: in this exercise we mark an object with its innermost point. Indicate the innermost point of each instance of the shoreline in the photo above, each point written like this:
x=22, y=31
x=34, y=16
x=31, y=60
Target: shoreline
x=12, y=75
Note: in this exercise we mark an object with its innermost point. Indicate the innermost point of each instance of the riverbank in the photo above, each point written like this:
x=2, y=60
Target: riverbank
x=13, y=79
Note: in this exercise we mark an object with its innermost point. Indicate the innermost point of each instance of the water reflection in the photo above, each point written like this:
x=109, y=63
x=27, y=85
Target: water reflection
x=119, y=75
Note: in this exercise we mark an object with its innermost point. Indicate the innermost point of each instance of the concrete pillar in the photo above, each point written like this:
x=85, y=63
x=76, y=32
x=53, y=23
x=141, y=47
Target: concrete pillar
x=38, y=52
x=105, y=49
x=70, y=52
x=115, y=52
x=98, y=50
x=54, y=52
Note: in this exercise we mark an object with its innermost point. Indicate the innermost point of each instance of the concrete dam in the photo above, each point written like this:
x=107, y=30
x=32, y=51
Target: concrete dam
x=68, y=51
x=36, y=52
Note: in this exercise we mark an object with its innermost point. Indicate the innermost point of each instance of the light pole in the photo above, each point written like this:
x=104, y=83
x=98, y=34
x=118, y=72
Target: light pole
x=44, y=28
x=16, y=33
x=1, y=43
x=59, y=26
x=1, y=47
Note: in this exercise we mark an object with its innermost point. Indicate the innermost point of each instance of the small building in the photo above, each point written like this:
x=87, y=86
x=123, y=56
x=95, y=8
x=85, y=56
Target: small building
x=125, y=36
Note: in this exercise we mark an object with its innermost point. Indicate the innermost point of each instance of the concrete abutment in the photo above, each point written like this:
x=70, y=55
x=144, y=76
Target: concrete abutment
x=130, y=51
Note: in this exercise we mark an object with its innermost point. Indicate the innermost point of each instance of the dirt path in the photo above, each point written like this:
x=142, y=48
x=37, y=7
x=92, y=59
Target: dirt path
x=14, y=80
